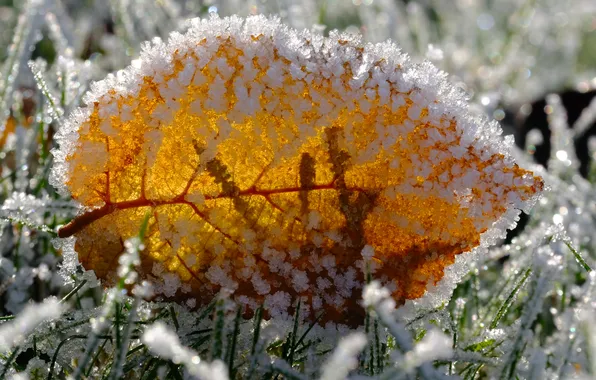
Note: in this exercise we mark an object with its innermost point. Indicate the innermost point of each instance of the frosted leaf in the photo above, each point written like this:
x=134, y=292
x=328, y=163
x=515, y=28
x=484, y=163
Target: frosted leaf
x=236, y=158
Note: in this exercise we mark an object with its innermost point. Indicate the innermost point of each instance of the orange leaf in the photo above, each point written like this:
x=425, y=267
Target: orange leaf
x=270, y=159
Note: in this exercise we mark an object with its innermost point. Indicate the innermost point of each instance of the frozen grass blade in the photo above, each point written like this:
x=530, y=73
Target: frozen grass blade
x=57, y=35
x=290, y=345
x=510, y=299
x=25, y=28
x=233, y=340
x=121, y=350
x=546, y=264
x=218, y=329
x=578, y=257
x=8, y=362
x=255, y=347
x=55, y=356
x=257, y=329
x=14, y=332
x=38, y=68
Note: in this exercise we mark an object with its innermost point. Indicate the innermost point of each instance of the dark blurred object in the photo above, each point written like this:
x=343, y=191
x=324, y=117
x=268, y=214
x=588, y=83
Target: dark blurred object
x=533, y=116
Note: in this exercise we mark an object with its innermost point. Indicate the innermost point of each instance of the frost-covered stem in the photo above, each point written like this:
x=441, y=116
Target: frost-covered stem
x=256, y=346
x=16, y=332
x=402, y=338
x=344, y=358
x=531, y=311
x=509, y=301
x=120, y=358
x=232, y=345
x=56, y=34
x=31, y=226
x=91, y=346
x=8, y=362
x=578, y=331
x=425, y=370
x=292, y=340
x=218, y=330
x=98, y=326
x=73, y=291
x=435, y=345
x=585, y=120
x=378, y=346
x=419, y=24
x=589, y=332
x=254, y=360
x=127, y=276
x=16, y=52
x=578, y=256
x=163, y=342
x=37, y=68
x=568, y=353
x=514, y=35
x=55, y=356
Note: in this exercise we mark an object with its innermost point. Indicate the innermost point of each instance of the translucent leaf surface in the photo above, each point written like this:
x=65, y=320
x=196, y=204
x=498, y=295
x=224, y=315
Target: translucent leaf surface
x=271, y=159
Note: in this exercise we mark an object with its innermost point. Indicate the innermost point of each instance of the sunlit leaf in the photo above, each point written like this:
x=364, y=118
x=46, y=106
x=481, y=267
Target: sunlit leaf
x=271, y=160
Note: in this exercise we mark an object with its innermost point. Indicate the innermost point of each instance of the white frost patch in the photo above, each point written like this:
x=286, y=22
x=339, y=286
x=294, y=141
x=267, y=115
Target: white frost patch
x=171, y=284
x=344, y=358
x=164, y=342
x=16, y=332
x=434, y=346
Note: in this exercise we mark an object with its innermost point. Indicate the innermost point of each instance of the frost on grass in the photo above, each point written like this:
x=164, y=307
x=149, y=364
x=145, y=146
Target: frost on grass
x=345, y=357
x=26, y=209
x=165, y=343
x=410, y=357
x=270, y=158
x=15, y=332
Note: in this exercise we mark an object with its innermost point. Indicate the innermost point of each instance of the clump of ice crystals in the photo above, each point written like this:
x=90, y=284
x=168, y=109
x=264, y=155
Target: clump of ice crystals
x=406, y=176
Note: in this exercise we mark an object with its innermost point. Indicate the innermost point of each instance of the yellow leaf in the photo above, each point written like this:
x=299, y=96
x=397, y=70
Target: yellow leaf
x=271, y=159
